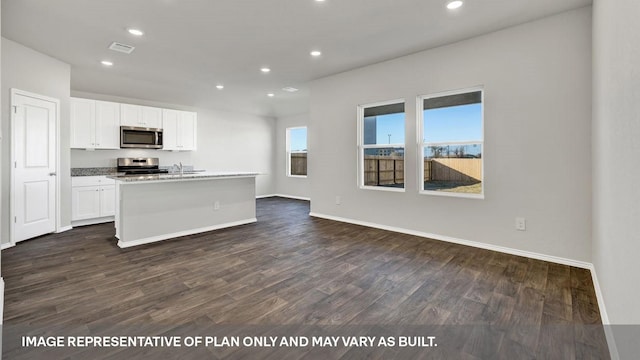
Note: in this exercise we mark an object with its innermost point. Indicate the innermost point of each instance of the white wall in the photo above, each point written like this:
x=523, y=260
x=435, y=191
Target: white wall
x=537, y=81
x=226, y=141
x=616, y=151
x=26, y=69
x=1, y=226
x=285, y=185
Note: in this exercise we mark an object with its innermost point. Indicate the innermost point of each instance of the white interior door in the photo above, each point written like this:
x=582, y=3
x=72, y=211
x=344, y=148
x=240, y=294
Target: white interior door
x=34, y=166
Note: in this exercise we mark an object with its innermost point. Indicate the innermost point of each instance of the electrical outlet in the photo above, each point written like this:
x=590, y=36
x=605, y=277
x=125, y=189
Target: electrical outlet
x=338, y=200
x=216, y=205
x=521, y=224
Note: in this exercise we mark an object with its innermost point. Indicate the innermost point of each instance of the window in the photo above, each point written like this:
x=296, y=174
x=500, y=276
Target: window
x=381, y=146
x=452, y=143
x=297, y=151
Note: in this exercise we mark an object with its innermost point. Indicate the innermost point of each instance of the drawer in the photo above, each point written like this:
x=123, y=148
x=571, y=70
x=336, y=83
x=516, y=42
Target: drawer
x=91, y=181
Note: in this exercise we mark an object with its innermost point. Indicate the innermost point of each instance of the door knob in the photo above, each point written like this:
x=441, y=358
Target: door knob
x=52, y=174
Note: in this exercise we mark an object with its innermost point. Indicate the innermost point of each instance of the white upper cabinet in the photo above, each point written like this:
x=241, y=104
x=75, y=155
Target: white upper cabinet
x=187, y=133
x=130, y=115
x=95, y=124
x=107, y=125
x=83, y=121
x=152, y=117
x=141, y=116
x=170, y=129
x=179, y=130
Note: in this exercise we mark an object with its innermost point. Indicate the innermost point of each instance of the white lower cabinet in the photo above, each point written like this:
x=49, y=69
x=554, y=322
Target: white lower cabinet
x=93, y=199
x=107, y=200
x=86, y=202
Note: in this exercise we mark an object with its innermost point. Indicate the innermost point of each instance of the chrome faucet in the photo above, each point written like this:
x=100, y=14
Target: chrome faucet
x=179, y=167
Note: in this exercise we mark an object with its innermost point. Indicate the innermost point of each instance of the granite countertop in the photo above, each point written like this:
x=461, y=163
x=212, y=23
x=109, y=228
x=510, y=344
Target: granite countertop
x=177, y=177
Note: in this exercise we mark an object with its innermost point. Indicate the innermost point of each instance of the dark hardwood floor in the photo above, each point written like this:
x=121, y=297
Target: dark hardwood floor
x=288, y=271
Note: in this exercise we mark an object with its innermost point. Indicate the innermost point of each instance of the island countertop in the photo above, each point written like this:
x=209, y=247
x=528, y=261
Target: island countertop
x=181, y=177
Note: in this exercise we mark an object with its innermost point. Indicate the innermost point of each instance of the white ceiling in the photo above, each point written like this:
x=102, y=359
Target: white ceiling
x=190, y=46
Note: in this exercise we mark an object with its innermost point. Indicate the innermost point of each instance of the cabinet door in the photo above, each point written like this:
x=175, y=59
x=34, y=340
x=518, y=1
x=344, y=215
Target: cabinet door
x=82, y=123
x=107, y=125
x=187, y=131
x=170, y=129
x=151, y=117
x=108, y=200
x=130, y=115
x=85, y=202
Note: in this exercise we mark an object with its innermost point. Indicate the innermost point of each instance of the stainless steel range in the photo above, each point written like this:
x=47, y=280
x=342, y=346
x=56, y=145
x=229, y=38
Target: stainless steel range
x=140, y=166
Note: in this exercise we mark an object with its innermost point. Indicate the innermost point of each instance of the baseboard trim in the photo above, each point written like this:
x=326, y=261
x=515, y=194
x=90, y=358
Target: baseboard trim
x=152, y=239
x=502, y=249
x=93, y=221
x=6, y=246
x=64, y=228
x=265, y=196
x=293, y=197
x=596, y=285
x=1, y=300
x=608, y=330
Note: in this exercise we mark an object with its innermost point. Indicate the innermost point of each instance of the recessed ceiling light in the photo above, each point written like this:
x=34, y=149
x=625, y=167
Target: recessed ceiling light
x=265, y=69
x=454, y=4
x=271, y=94
x=106, y=63
x=289, y=89
x=219, y=87
x=136, y=32
x=316, y=53
x=319, y=0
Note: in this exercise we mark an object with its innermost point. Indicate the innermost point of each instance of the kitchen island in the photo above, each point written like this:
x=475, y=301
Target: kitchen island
x=152, y=208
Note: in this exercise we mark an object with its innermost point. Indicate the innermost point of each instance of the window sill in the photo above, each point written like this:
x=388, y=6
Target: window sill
x=298, y=176
x=382, y=188
x=452, y=194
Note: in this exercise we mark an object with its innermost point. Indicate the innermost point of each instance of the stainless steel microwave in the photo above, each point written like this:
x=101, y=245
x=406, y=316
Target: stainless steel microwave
x=139, y=137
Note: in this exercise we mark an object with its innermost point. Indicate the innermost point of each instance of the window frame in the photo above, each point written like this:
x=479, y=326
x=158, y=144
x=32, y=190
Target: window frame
x=422, y=144
x=288, y=151
x=361, y=146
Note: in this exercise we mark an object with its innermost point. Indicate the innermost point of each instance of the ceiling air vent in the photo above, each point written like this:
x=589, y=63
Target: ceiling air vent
x=123, y=48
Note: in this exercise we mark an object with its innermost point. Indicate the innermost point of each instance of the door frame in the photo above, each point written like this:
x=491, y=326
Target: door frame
x=12, y=210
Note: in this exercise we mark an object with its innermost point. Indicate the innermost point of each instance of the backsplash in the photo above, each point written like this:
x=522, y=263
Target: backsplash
x=99, y=171
x=93, y=171
x=107, y=158
x=173, y=169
